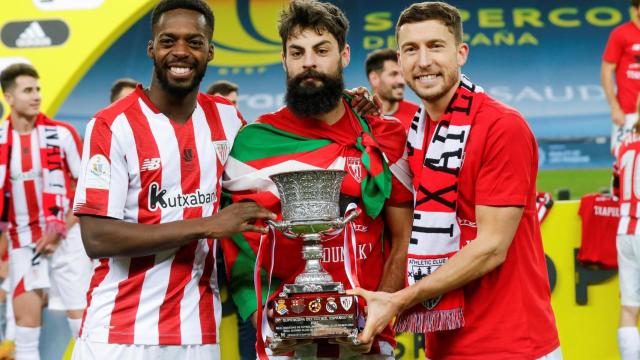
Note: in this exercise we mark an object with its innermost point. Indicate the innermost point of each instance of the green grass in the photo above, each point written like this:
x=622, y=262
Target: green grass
x=578, y=181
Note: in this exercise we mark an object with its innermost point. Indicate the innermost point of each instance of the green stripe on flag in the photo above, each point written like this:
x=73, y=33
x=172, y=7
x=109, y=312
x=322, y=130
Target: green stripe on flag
x=261, y=141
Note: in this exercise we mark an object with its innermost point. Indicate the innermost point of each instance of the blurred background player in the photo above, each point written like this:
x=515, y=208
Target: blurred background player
x=620, y=71
x=41, y=160
x=226, y=89
x=628, y=243
x=121, y=88
x=386, y=81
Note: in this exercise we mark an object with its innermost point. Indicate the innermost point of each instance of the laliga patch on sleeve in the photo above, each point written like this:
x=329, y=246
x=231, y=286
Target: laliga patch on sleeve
x=98, y=173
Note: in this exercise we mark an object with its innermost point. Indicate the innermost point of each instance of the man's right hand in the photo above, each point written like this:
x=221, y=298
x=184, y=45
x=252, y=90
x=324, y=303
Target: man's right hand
x=237, y=218
x=617, y=116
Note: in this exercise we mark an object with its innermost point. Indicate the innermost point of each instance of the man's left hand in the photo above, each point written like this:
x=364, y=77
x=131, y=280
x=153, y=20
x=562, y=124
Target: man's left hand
x=381, y=309
x=361, y=347
x=48, y=243
x=363, y=103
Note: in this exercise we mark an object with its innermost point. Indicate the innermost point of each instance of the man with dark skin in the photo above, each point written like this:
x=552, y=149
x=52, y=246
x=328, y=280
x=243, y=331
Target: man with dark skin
x=148, y=198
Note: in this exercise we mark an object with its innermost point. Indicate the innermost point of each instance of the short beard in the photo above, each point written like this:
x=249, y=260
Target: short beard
x=178, y=91
x=309, y=100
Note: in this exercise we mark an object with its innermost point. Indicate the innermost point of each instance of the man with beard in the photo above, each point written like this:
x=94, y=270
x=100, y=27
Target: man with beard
x=318, y=129
x=474, y=163
x=385, y=77
x=148, y=202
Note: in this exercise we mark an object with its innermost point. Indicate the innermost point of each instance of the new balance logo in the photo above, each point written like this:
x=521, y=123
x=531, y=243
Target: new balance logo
x=150, y=164
x=33, y=36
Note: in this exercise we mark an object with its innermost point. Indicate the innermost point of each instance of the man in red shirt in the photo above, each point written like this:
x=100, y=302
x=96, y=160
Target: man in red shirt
x=479, y=284
x=627, y=244
x=621, y=57
x=386, y=81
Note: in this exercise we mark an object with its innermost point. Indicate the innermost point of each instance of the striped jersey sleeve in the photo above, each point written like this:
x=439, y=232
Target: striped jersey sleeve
x=103, y=182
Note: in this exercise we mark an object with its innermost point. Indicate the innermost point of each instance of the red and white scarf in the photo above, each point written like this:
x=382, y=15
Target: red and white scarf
x=53, y=180
x=436, y=233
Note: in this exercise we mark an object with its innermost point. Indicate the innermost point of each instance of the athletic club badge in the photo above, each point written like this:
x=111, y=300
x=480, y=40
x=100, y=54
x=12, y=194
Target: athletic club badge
x=331, y=305
x=281, y=307
x=315, y=305
x=297, y=305
x=346, y=302
x=222, y=150
x=431, y=303
x=354, y=165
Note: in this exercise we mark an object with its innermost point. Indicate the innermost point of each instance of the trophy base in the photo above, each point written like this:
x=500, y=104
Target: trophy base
x=334, y=287
x=307, y=315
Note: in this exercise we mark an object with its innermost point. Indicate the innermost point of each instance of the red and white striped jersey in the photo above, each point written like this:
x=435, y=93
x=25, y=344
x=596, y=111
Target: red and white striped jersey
x=141, y=167
x=628, y=165
x=26, y=216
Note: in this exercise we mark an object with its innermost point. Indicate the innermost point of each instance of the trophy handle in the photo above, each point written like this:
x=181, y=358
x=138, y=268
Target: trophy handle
x=342, y=222
x=283, y=227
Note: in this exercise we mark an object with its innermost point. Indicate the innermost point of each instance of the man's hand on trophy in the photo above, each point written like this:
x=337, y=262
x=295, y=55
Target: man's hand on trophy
x=361, y=347
x=283, y=346
x=236, y=218
x=381, y=309
x=363, y=103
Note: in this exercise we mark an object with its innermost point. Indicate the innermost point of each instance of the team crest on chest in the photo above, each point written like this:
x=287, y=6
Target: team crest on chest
x=354, y=166
x=222, y=150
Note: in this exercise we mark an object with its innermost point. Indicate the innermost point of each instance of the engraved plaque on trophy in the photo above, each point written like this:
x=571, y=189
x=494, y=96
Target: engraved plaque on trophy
x=314, y=306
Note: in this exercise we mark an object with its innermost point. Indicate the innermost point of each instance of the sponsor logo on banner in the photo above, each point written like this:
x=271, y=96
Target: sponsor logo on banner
x=281, y=307
x=49, y=5
x=354, y=165
x=315, y=305
x=346, y=302
x=222, y=150
x=98, y=173
x=158, y=198
x=331, y=305
x=297, y=305
x=33, y=34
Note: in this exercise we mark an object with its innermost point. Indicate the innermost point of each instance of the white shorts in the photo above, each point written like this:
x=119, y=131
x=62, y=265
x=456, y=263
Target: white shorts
x=88, y=350
x=65, y=275
x=71, y=271
x=628, y=249
x=618, y=132
x=554, y=355
x=27, y=270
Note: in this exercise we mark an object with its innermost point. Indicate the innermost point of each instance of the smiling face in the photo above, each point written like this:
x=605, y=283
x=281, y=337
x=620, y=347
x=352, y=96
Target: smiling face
x=24, y=96
x=430, y=59
x=180, y=50
x=388, y=83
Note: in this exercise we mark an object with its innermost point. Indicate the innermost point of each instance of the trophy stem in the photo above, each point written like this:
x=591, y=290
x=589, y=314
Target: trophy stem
x=312, y=251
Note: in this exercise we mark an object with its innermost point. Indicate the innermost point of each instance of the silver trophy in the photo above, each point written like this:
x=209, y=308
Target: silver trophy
x=314, y=306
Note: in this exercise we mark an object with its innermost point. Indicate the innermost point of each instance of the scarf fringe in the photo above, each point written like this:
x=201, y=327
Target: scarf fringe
x=422, y=322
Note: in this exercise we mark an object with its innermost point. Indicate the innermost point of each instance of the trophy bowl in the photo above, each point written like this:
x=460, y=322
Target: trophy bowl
x=309, y=199
x=314, y=306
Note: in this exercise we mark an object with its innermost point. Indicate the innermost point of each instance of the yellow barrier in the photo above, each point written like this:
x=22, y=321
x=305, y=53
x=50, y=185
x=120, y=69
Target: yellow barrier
x=586, y=331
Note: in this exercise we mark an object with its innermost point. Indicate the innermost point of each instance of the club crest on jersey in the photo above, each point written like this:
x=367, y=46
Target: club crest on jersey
x=432, y=303
x=281, y=307
x=98, y=173
x=354, y=166
x=297, y=305
x=346, y=302
x=222, y=150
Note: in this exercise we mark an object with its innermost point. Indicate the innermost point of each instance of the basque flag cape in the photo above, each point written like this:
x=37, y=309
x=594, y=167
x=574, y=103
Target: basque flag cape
x=281, y=142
